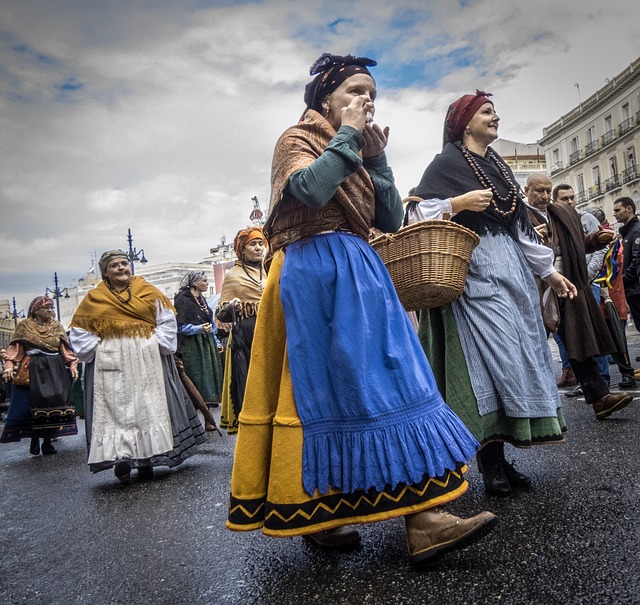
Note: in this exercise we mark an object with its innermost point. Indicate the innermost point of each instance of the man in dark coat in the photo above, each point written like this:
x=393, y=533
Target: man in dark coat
x=582, y=327
x=624, y=211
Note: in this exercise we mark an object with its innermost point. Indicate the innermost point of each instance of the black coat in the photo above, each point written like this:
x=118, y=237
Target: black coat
x=630, y=233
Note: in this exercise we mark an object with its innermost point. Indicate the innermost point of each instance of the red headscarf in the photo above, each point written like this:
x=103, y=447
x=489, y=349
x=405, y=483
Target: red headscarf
x=460, y=113
x=38, y=303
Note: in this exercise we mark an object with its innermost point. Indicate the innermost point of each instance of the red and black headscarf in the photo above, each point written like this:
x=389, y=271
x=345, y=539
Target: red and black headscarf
x=332, y=70
x=460, y=113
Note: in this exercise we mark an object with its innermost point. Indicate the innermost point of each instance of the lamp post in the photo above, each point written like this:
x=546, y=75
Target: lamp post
x=134, y=255
x=15, y=314
x=57, y=293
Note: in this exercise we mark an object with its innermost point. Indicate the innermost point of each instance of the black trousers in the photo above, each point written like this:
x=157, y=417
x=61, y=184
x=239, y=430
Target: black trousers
x=591, y=381
x=634, y=308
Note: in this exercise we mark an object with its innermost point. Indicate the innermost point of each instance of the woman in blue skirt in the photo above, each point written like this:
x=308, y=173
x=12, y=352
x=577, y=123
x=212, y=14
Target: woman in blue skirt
x=342, y=422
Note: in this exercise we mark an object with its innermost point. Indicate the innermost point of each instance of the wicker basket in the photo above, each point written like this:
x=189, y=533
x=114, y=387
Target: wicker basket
x=428, y=261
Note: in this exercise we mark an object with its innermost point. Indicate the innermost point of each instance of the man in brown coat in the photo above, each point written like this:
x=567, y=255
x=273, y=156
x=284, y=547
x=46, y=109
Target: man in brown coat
x=582, y=327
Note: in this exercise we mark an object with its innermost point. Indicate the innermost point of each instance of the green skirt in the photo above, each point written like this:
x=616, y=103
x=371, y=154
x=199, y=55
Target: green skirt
x=439, y=337
x=203, y=365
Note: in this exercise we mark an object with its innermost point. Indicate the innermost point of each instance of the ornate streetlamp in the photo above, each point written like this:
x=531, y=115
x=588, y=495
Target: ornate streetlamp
x=57, y=293
x=134, y=255
x=15, y=313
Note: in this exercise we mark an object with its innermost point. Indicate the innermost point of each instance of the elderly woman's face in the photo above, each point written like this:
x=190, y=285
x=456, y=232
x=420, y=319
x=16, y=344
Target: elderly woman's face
x=254, y=250
x=355, y=86
x=119, y=272
x=44, y=314
x=483, y=126
x=202, y=285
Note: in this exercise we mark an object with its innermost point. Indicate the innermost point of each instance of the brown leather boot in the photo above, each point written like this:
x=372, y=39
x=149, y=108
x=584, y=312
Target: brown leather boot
x=434, y=532
x=607, y=405
x=568, y=379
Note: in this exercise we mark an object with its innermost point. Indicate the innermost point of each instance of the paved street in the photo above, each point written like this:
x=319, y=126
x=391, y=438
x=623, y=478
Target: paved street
x=70, y=537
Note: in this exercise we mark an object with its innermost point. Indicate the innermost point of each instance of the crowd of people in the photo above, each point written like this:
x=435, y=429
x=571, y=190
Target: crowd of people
x=344, y=412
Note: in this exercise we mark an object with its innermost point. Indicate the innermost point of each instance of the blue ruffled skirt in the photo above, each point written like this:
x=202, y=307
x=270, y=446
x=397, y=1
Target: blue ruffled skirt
x=370, y=409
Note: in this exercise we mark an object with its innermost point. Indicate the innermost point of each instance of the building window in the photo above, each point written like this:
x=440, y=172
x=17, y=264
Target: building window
x=580, y=195
x=575, y=150
x=592, y=143
x=630, y=169
x=613, y=182
x=627, y=120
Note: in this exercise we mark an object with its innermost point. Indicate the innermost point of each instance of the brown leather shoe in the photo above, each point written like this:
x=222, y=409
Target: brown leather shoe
x=339, y=538
x=434, y=532
x=607, y=405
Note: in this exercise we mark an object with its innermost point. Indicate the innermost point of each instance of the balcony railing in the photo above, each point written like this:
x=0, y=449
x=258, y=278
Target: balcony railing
x=612, y=183
x=591, y=147
x=556, y=167
x=630, y=174
x=626, y=126
x=595, y=191
x=576, y=156
x=580, y=197
x=608, y=136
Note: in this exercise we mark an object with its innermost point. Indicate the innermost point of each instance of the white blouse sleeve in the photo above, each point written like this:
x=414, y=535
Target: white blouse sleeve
x=166, y=330
x=428, y=210
x=539, y=257
x=84, y=343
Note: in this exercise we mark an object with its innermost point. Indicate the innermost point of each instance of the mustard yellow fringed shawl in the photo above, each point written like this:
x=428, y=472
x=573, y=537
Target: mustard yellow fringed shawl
x=101, y=313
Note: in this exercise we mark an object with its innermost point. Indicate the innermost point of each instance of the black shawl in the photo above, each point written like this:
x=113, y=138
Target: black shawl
x=450, y=175
x=188, y=310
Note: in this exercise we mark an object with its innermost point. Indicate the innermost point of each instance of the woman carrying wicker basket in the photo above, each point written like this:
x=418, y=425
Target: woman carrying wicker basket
x=342, y=422
x=494, y=329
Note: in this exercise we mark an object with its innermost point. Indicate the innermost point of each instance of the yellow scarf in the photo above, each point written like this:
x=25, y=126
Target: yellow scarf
x=245, y=285
x=101, y=313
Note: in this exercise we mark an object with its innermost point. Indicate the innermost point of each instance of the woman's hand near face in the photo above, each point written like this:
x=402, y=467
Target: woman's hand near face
x=375, y=140
x=476, y=201
x=355, y=114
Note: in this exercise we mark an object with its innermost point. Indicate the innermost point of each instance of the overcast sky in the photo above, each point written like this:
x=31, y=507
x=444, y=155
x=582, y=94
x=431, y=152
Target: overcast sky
x=161, y=115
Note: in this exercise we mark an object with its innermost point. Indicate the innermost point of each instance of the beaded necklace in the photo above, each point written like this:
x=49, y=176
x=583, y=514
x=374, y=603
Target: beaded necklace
x=117, y=295
x=511, y=197
x=253, y=279
x=201, y=302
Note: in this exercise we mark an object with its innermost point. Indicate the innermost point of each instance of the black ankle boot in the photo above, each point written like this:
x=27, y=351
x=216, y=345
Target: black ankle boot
x=489, y=464
x=515, y=477
x=34, y=448
x=47, y=448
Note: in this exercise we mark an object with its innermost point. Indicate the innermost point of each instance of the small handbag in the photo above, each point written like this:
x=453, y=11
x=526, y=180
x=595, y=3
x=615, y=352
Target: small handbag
x=21, y=374
x=550, y=310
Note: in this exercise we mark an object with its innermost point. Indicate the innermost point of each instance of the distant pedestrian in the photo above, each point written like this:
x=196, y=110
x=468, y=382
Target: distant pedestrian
x=42, y=365
x=137, y=413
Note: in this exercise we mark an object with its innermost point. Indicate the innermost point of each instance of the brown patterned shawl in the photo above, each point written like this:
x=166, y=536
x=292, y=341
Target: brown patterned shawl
x=47, y=338
x=351, y=208
x=101, y=313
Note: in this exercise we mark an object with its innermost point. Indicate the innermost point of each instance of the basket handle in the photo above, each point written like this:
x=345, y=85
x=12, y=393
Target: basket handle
x=410, y=202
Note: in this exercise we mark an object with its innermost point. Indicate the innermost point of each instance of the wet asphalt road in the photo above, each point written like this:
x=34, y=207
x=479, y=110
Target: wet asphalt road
x=70, y=537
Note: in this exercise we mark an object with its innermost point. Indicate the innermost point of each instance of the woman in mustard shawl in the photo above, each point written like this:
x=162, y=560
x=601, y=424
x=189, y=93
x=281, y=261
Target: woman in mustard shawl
x=239, y=300
x=342, y=422
x=43, y=408
x=137, y=413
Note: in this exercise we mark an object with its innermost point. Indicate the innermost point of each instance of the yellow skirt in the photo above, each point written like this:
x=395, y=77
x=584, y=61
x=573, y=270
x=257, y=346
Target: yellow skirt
x=266, y=483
